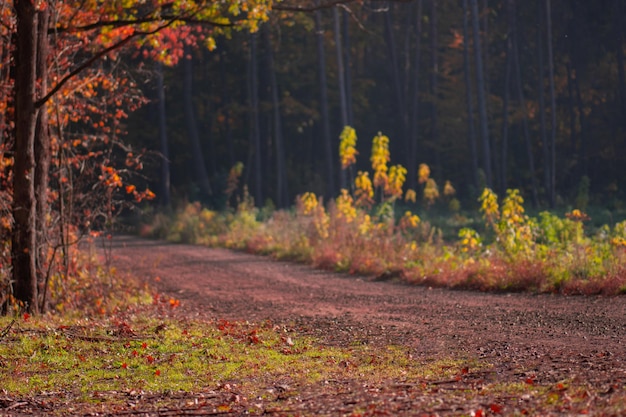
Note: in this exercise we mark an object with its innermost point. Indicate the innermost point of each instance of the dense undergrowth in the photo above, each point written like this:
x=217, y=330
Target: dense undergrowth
x=364, y=231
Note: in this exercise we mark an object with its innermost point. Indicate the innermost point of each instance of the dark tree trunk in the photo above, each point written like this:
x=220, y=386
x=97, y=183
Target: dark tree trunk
x=347, y=60
x=414, y=142
x=255, y=128
x=400, y=111
x=192, y=128
x=471, y=131
x=572, y=106
x=43, y=152
x=23, y=239
x=281, y=174
x=165, y=151
x=552, y=150
x=482, y=102
x=485, y=49
x=343, y=100
x=522, y=103
x=505, y=104
x=328, y=146
x=225, y=101
x=434, y=85
x=619, y=53
x=583, y=124
x=545, y=143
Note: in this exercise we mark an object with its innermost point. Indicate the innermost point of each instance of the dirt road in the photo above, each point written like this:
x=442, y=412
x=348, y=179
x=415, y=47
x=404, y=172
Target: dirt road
x=550, y=338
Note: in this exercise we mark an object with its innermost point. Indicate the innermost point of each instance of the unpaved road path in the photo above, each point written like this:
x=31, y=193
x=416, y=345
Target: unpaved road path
x=548, y=338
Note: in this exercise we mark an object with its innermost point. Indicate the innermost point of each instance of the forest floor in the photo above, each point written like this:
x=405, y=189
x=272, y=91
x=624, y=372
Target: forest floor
x=508, y=354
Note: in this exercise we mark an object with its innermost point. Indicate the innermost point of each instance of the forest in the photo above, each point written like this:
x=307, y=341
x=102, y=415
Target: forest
x=505, y=94
x=109, y=106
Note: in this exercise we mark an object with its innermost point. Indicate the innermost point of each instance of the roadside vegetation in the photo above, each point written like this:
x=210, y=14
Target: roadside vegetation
x=376, y=227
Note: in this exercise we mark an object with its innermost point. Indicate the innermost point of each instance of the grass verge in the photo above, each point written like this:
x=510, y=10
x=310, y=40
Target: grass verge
x=147, y=360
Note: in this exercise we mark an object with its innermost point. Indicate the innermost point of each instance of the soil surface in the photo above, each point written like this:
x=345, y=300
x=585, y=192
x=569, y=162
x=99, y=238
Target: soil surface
x=541, y=340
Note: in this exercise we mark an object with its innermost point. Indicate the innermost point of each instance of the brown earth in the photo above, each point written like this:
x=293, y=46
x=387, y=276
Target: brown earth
x=544, y=341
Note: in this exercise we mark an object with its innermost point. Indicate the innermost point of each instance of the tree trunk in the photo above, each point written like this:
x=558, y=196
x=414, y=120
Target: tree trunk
x=482, y=102
x=434, y=85
x=545, y=144
x=166, y=199
x=23, y=239
x=505, y=104
x=552, y=160
x=471, y=131
x=583, y=123
x=347, y=60
x=255, y=128
x=43, y=152
x=414, y=142
x=485, y=50
x=343, y=100
x=522, y=102
x=225, y=101
x=619, y=53
x=281, y=174
x=571, y=106
x=328, y=146
x=400, y=111
x=192, y=128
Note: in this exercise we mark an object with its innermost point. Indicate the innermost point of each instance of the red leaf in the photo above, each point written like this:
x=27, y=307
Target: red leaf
x=495, y=408
x=157, y=372
x=124, y=365
x=26, y=316
x=150, y=359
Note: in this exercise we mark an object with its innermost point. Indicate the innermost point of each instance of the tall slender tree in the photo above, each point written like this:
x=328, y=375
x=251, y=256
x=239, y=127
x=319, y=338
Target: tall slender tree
x=255, y=122
x=519, y=88
x=282, y=193
x=163, y=141
x=552, y=150
x=343, y=99
x=482, y=101
x=505, y=101
x=543, y=131
x=415, y=100
x=323, y=86
x=471, y=131
x=43, y=151
x=347, y=64
x=434, y=85
x=199, y=166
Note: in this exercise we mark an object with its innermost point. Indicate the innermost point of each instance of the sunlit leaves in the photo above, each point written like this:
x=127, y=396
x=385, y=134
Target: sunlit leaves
x=395, y=181
x=347, y=147
x=364, y=191
x=345, y=206
x=379, y=159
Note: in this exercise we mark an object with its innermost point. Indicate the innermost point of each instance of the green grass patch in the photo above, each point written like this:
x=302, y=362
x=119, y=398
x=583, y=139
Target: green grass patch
x=81, y=358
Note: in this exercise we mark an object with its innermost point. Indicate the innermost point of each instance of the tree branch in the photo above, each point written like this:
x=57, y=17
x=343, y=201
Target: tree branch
x=327, y=5
x=96, y=57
